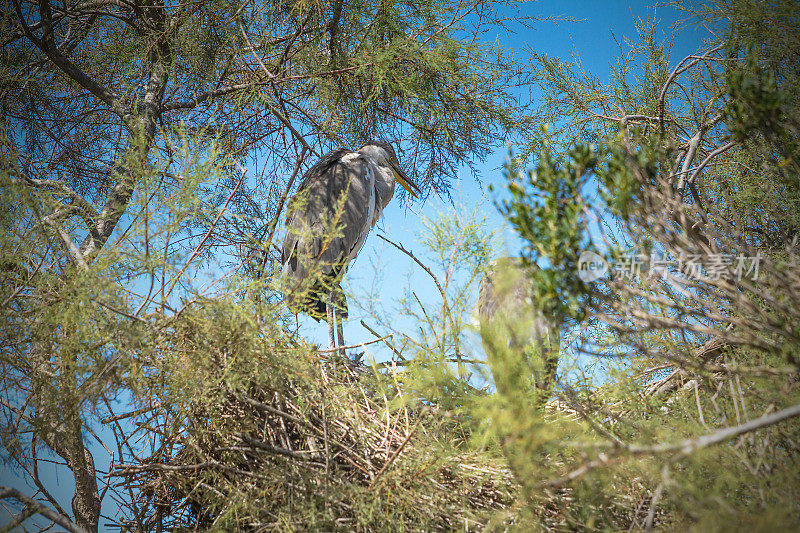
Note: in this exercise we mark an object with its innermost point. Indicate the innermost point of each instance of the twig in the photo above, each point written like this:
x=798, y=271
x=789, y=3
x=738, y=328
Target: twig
x=359, y=345
x=708, y=159
x=699, y=407
x=399, y=449
x=271, y=78
x=679, y=69
x=651, y=514
x=73, y=250
x=684, y=447
x=274, y=222
x=63, y=521
x=391, y=347
x=136, y=412
x=410, y=254
x=570, y=400
x=406, y=362
x=199, y=246
x=602, y=459
x=123, y=470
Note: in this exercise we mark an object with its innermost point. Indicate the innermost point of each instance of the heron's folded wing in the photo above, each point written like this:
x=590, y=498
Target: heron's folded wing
x=322, y=224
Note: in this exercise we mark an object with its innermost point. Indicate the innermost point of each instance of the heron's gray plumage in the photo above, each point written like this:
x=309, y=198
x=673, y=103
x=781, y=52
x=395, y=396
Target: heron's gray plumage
x=346, y=191
x=511, y=321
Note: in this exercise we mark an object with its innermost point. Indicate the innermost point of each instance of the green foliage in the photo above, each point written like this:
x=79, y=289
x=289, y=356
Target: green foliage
x=262, y=430
x=698, y=355
x=147, y=155
x=224, y=418
x=762, y=115
x=546, y=208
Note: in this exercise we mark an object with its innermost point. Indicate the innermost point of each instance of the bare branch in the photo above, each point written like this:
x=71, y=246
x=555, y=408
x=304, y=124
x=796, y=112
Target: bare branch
x=685, y=447
x=199, y=246
x=86, y=209
x=689, y=446
x=48, y=47
x=707, y=160
x=679, y=69
x=63, y=521
x=442, y=292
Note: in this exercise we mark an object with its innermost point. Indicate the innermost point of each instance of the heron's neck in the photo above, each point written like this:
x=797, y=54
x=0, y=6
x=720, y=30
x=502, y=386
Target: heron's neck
x=384, y=187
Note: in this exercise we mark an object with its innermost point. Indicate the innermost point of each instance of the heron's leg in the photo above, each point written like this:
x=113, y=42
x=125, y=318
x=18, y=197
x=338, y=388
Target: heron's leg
x=340, y=309
x=340, y=331
x=331, y=319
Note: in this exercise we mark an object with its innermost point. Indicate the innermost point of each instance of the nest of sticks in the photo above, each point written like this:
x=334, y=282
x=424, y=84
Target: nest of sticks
x=324, y=453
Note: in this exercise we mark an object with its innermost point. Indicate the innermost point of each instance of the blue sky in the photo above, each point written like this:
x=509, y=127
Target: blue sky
x=592, y=37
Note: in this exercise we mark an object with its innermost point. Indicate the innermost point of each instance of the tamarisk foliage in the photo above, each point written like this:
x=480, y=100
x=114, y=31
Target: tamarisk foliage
x=148, y=149
x=690, y=418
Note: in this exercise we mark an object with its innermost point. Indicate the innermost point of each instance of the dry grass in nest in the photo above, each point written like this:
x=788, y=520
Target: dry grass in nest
x=322, y=453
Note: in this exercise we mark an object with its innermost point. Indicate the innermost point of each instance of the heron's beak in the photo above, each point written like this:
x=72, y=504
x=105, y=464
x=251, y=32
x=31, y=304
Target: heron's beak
x=403, y=180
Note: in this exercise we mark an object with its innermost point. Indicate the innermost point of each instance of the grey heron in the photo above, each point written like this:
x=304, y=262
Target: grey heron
x=521, y=344
x=337, y=203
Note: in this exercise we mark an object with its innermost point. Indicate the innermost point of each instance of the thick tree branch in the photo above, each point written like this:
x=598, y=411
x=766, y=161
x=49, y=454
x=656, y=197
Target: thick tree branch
x=85, y=208
x=47, y=45
x=143, y=133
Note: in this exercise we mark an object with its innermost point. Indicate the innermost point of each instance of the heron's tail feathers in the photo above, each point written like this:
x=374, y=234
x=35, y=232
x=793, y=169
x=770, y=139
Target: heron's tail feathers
x=310, y=294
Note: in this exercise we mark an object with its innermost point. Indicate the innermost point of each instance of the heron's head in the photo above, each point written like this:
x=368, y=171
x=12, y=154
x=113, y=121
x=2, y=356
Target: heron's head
x=384, y=156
